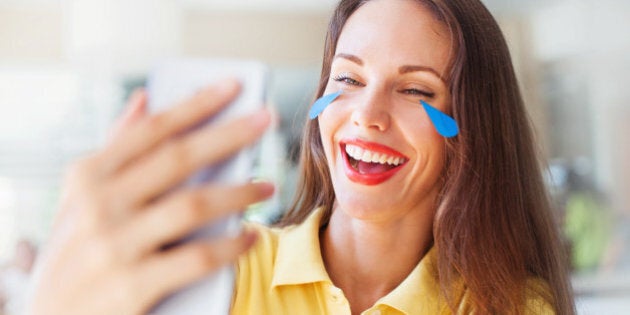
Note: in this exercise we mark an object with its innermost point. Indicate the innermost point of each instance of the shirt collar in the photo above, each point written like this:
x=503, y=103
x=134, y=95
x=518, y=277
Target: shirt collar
x=420, y=292
x=299, y=261
x=299, y=258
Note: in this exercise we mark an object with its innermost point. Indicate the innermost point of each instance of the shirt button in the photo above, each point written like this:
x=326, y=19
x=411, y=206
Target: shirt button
x=335, y=294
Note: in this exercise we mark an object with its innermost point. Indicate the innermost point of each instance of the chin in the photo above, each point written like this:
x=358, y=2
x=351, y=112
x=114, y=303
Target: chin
x=362, y=206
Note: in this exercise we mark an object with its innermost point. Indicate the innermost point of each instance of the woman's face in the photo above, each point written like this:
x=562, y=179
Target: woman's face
x=391, y=54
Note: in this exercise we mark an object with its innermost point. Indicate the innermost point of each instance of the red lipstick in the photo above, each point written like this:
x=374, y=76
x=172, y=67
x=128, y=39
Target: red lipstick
x=367, y=173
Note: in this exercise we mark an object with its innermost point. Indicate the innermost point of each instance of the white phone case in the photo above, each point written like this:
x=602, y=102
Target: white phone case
x=176, y=80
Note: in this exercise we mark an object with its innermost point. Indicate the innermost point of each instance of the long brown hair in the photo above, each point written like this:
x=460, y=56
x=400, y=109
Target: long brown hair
x=493, y=228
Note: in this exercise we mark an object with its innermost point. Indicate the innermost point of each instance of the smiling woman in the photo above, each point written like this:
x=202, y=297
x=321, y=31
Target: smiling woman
x=401, y=219
x=392, y=216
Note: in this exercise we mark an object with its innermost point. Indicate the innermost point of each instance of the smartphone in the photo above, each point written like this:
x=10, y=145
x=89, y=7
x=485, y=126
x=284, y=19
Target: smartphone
x=176, y=80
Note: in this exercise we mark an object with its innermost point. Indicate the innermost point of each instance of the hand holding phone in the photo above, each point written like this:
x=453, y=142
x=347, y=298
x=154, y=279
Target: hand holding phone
x=122, y=203
x=168, y=84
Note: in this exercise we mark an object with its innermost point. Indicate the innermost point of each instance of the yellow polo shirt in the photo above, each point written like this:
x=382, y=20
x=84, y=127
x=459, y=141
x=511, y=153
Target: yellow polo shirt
x=284, y=274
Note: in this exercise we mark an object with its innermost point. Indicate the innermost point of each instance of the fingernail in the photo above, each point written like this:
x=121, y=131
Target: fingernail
x=135, y=93
x=266, y=188
x=250, y=238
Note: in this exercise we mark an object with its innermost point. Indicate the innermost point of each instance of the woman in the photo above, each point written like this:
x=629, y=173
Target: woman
x=477, y=200
x=458, y=225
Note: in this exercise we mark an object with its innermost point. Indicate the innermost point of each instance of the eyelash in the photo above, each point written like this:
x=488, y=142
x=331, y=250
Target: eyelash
x=348, y=80
x=418, y=92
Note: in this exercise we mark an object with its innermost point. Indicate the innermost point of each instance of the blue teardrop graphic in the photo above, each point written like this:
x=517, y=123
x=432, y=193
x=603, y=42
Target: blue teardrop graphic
x=444, y=124
x=321, y=104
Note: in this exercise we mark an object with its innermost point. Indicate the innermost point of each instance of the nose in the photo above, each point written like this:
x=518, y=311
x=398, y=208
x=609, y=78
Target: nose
x=371, y=112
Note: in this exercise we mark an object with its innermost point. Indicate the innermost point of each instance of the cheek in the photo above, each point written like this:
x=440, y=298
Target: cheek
x=417, y=125
x=332, y=121
x=333, y=117
x=420, y=133
x=329, y=123
x=432, y=156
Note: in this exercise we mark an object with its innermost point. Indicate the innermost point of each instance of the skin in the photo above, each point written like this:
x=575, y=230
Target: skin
x=103, y=256
x=381, y=105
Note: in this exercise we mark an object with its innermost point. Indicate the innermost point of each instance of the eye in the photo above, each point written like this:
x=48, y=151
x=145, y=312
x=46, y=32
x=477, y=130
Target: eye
x=346, y=79
x=418, y=92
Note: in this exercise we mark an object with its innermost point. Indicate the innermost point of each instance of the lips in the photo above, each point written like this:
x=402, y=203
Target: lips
x=370, y=163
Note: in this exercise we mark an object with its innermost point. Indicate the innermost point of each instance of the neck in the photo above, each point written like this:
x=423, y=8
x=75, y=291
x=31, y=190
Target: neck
x=367, y=259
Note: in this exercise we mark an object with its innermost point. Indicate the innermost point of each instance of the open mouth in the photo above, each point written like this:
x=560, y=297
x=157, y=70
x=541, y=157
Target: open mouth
x=370, y=163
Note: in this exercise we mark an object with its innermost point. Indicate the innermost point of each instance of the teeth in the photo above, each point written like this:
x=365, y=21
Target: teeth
x=360, y=154
x=390, y=160
x=376, y=158
x=367, y=156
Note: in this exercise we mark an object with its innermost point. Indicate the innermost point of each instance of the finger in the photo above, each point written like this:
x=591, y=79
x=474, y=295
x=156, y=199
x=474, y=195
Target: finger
x=135, y=110
x=182, y=213
x=172, y=163
x=180, y=266
x=164, y=125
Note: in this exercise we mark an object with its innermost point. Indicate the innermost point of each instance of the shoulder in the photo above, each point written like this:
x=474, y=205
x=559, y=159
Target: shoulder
x=280, y=244
x=256, y=270
x=258, y=265
x=287, y=257
x=260, y=258
x=538, y=297
x=267, y=236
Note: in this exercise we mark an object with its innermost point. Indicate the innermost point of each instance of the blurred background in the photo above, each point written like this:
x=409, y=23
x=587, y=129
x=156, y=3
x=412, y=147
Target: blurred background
x=66, y=67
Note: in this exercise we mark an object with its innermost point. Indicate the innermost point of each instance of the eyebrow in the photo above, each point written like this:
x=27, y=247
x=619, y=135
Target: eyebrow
x=407, y=69
x=352, y=58
x=401, y=70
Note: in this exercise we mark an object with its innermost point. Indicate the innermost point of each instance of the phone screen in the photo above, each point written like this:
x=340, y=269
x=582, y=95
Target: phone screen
x=177, y=80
